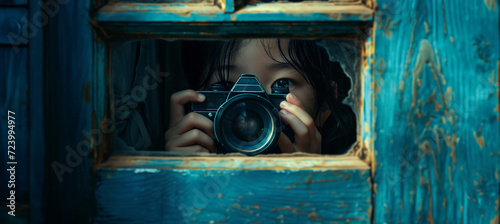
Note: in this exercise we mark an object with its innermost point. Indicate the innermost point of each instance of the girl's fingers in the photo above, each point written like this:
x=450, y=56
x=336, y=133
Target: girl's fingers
x=177, y=101
x=301, y=114
x=291, y=98
x=191, y=121
x=307, y=137
x=285, y=144
x=303, y=136
x=193, y=137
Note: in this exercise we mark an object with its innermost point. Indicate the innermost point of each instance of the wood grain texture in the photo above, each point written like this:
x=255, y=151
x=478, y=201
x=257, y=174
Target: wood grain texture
x=436, y=89
x=36, y=123
x=140, y=12
x=234, y=189
x=68, y=70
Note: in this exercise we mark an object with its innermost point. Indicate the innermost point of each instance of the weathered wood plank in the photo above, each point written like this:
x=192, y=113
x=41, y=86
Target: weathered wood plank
x=68, y=75
x=233, y=189
x=36, y=122
x=290, y=12
x=436, y=85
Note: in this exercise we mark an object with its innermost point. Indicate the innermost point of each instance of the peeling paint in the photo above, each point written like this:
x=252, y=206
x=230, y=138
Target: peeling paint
x=491, y=4
x=146, y=171
x=479, y=139
x=497, y=109
x=430, y=219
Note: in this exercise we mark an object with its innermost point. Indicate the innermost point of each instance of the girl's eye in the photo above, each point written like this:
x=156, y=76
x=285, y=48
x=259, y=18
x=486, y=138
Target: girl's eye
x=284, y=83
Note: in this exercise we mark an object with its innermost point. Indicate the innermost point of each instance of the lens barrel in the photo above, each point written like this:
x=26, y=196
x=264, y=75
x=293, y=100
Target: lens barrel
x=247, y=123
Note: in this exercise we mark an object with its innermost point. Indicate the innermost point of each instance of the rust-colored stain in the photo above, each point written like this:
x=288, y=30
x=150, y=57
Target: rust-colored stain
x=432, y=98
x=256, y=206
x=86, y=94
x=498, y=90
x=452, y=39
x=492, y=78
x=444, y=203
x=479, y=139
x=430, y=219
x=238, y=206
x=369, y=212
x=496, y=219
x=448, y=96
x=435, y=165
x=450, y=142
x=426, y=28
x=313, y=216
x=491, y=4
x=436, y=133
x=295, y=211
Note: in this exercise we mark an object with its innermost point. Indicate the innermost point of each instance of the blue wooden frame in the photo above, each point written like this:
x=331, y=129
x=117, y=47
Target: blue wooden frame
x=116, y=21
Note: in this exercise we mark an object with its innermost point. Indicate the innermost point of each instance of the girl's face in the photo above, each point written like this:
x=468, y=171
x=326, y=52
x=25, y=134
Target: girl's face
x=251, y=58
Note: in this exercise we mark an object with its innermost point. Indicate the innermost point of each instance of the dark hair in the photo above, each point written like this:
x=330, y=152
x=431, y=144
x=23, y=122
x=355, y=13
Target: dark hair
x=311, y=60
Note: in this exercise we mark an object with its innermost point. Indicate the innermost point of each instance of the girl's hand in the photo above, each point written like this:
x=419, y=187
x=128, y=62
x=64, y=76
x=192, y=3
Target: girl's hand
x=192, y=132
x=307, y=136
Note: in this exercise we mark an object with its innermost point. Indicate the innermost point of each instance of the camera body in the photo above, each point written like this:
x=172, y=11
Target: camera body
x=246, y=118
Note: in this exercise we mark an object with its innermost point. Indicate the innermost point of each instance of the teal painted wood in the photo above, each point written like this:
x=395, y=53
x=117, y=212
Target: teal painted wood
x=14, y=97
x=173, y=190
x=68, y=75
x=277, y=12
x=36, y=123
x=436, y=92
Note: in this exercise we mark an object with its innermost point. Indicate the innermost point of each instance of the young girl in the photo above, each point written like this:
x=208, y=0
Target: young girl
x=313, y=109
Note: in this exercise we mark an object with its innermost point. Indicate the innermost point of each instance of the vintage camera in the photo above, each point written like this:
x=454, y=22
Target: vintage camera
x=246, y=118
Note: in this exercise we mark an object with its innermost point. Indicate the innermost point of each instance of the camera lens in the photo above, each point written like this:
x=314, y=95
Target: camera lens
x=248, y=124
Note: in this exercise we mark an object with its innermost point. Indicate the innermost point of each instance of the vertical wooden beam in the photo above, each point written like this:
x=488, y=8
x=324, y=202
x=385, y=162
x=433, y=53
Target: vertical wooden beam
x=435, y=76
x=68, y=75
x=36, y=121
